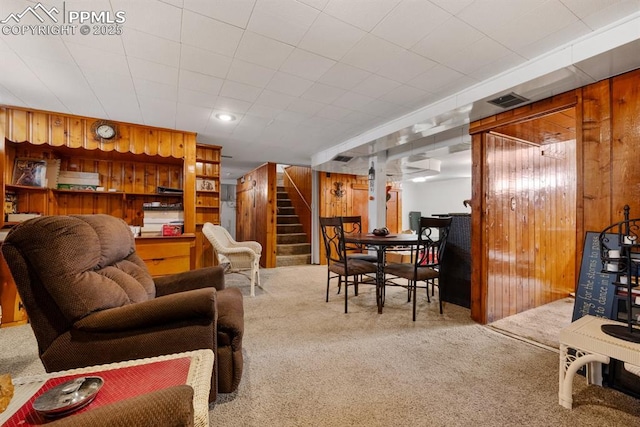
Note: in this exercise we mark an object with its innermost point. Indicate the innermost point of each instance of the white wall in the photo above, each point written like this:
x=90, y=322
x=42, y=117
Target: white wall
x=438, y=197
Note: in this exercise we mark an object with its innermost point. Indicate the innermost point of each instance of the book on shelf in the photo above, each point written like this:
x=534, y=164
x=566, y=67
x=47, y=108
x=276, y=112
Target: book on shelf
x=624, y=291
x=30, y=172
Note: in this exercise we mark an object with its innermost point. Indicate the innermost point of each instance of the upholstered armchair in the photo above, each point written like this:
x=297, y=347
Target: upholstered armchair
x=241, y=256
x=91, y=300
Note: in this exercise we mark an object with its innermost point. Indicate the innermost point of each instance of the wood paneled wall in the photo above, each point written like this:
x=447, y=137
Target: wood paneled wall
x=297, y=183
x=606, y=178
x=355, y=201
x=256, y=210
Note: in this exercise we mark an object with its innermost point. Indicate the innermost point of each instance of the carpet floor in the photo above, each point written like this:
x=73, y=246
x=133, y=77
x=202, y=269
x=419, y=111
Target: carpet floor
x=307, y=363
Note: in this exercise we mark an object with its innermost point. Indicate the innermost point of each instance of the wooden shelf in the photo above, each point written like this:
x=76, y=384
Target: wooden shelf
x=24, y=187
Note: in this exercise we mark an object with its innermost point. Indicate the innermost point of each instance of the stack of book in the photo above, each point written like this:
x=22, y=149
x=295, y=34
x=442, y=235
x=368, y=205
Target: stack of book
x=69, y=180
x=157, y=216
x=623, y=291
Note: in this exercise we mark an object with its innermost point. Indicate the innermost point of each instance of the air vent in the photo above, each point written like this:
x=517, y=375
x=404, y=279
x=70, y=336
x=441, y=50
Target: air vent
x=508, y=100
x=343, y=159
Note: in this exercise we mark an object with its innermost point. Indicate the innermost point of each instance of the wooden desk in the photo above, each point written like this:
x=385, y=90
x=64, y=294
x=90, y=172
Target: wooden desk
x=199, y=378
x=592, y=348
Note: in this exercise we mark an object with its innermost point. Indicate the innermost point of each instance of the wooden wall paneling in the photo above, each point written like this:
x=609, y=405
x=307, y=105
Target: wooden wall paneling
x=39, y=128
x=75, y=132
x=59, y=129
x=625, y=141
x=596, y=157
x=17, y=123
x=256, y=211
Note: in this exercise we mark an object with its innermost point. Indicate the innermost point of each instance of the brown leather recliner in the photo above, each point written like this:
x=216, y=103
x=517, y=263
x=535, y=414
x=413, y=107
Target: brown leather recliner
x=91, y=300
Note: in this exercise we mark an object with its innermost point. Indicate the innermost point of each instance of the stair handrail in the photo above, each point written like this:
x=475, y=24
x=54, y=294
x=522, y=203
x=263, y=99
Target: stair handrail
x=296, y=188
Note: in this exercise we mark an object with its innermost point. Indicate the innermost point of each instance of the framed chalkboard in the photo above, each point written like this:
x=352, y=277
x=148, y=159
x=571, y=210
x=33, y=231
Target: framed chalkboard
x=595, y=294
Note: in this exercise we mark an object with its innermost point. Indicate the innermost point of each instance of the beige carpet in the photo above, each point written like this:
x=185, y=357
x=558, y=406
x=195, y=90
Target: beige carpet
x=541, y=324
x=309, y=364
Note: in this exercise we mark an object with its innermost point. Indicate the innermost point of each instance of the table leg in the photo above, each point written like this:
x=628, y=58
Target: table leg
x=380, y=280
x=569, y=365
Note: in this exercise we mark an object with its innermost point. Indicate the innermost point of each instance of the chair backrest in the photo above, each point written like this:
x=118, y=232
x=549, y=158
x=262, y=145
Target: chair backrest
x=432, y=240
x=66, y=267
x=218, y=236
x=333, y=237
x=352, y=225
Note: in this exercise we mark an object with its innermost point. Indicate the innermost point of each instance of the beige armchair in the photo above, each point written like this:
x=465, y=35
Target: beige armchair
x=240, y=256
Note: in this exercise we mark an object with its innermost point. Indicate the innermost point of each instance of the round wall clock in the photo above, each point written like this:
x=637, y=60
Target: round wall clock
x=104, y=130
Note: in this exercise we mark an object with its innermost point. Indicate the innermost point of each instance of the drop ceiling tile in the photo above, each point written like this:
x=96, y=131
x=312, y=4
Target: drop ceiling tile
x=352, y=100
x=158, y=112
x=200, y=82
x=375, y=86
x=261, y=50
x=405, y=66
x=176, y=3
x=234, y=12
x=291, y=117
x=371, y=53
x=305, y=106
x=8, y=98
x=263, y=111
x=204, y=62
x=559, y=38
x=94, y=61
x=380, y=108
x=50, y=48
x=191, y=118
x=306, y=64
x=323, y=93
x=597, y=14
x=230, y=105
x=364, y=14
x=274, y=99
x=155, y=90
x=152, y=48
x=283, y=20
x=452, y=6
x=248, y=73
x=330, y=37
x=333, y=112
x=99, y=43
x=496, y=67
x=536, y=24
x=360, y=118
x=165, y=22
x=316, y=4
x=289, y=84
x=196, y=98
x=477, y=55
x=344, y=76
x=143, y=69
x=240, y=91
x=209, y=34
x=409, y=22
x=404, y=94
x=437, y=77
x=447, y=39
x=485, y=19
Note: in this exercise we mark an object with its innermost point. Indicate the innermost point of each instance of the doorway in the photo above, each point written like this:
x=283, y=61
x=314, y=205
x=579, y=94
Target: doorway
x=529, y=189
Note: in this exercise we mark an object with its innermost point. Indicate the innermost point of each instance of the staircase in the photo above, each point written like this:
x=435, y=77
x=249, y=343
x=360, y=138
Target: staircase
x=292, y=245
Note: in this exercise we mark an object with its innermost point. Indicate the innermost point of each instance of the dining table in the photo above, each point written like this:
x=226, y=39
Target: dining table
x=381, y=244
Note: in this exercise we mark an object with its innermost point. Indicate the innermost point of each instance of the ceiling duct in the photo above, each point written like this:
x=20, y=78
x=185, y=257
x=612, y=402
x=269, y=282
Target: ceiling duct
x=457, y=148
x=509, y=100
x=343, y=159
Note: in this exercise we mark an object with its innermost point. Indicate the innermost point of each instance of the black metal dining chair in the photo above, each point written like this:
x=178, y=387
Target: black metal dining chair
x=353, y=225
x=338, y=262
x=426, y=258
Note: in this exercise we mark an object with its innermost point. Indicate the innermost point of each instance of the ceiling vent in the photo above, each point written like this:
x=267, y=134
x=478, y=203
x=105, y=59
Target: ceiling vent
x=343, y=159
x=508, y=100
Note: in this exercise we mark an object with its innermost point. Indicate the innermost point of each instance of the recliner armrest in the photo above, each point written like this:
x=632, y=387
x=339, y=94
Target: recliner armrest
x=207, y=277
x=196, y=306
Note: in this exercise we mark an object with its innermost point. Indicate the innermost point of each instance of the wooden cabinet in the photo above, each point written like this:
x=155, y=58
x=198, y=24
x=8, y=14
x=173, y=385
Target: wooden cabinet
x=131, y=168
x=166, y=255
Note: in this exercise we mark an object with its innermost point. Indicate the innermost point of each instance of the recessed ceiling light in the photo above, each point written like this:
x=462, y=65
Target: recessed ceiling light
x=225, y=117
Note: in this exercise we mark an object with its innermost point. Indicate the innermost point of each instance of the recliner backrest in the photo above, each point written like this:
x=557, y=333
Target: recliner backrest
x=66, y=267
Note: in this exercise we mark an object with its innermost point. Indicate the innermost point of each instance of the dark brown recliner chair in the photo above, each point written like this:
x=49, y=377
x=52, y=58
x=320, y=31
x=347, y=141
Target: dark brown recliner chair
x=91, y=300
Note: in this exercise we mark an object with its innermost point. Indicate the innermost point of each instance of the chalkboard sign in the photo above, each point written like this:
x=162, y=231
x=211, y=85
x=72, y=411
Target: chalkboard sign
x=596, y=292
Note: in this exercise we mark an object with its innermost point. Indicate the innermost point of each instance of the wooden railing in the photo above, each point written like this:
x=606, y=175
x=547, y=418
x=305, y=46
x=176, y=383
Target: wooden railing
x=297, y=183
